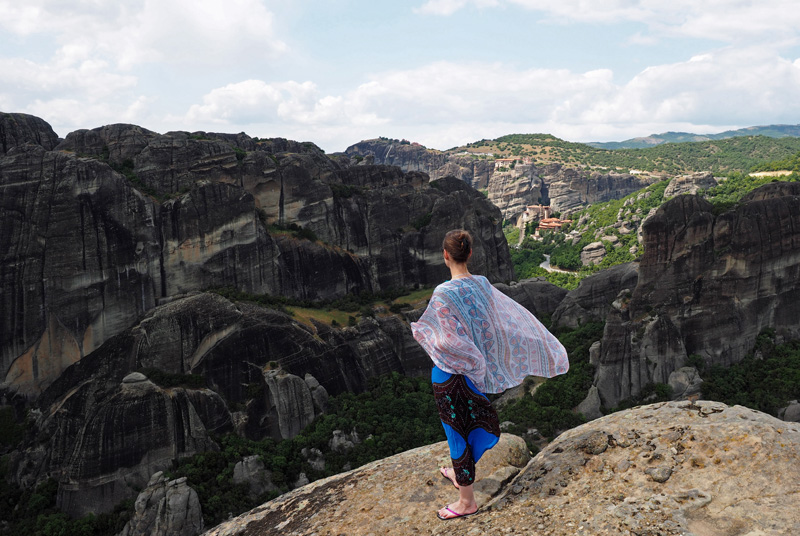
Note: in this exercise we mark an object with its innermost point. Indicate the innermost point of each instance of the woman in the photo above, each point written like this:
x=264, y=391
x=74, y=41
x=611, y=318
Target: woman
x=480, y=341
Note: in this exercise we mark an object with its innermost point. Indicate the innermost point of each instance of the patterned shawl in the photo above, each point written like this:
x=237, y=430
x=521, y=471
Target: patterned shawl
x=471, y=328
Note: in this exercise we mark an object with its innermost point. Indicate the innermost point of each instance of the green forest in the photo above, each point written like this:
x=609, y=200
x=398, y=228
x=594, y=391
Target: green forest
x=743, y=153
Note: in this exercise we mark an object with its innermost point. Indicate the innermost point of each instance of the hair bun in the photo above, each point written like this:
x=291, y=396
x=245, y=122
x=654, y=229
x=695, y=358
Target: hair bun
x=458, y=244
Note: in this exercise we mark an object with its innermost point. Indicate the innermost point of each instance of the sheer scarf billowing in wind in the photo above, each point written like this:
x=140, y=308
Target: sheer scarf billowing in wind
x=471, y=328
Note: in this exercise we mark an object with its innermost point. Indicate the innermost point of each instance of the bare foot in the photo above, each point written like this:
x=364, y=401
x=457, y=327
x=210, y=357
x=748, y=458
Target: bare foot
x=457, y=509
x=450, y=475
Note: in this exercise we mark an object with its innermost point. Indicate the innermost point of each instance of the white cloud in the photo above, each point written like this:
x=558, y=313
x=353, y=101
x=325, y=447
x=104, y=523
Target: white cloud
x=448, y=7
x=131, y=32
x=443, y=104
x=730, y=21
x=96, y=53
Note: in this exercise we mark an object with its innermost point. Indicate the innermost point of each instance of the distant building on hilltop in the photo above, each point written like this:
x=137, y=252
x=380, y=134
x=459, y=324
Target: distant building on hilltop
x=503, y=163
x=541, y=214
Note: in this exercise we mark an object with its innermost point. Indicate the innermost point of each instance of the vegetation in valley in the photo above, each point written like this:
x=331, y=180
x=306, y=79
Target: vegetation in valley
x=549, y=409
x=335, y=311
x=766, y=380
x=33, y=512
x=395, y=414
x=791, y=163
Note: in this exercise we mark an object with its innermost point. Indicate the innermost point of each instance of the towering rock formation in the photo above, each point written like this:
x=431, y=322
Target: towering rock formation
x=17, y=130
x=707, y=285
x=118, y=219
x=166, y=509
x=106, y=449
x=565, y=189
x=103, y=429
x=80, y=261
x=571, y=189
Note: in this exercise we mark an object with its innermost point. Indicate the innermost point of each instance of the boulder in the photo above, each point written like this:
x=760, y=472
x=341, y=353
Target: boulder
x=685, y=382
x=791, y=413
x=590, y=406
x=251, y=471
x=593, y=253
x=690, y=184
x=289, y=405
x=165, y=508
x=318, y=394
x=342, y=441
x=667, y=469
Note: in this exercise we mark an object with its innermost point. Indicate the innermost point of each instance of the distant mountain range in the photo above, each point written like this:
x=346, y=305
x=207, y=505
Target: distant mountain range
x=772, y=131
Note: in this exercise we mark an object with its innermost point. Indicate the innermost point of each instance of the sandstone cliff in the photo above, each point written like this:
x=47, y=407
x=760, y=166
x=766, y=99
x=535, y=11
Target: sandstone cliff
x=707, y=285
x=565, y=189
x=666, y=469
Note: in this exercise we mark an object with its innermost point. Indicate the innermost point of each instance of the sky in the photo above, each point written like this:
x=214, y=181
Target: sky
x=439, y=72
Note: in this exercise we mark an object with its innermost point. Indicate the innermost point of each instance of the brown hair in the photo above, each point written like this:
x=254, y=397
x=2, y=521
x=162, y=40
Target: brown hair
x=458, y=244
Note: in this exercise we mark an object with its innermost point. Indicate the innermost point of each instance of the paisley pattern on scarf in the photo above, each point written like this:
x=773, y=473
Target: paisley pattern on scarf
x=471, y=328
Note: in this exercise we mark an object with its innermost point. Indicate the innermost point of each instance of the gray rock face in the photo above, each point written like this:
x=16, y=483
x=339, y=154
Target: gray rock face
x=571, y=189
x=690, y=184
x=114, y=143
x=165, y=509
x=80, y=262
x=590, y=406
x=104, y=445
x=290, y=407
x=592, y=300
x=17, y=130
x=706, y=286
x=251, y=471
x=565, y=189
x=86, y=254
x=593, y=253
x=514, y=190
x=685, y=382
x=537, y=295
x=411, y=157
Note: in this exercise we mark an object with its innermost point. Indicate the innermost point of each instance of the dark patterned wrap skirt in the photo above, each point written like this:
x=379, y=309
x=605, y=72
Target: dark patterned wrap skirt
x=469, y=420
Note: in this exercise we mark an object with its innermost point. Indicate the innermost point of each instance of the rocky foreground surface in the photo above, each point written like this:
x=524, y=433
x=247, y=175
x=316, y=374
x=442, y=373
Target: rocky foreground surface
x=674, y=468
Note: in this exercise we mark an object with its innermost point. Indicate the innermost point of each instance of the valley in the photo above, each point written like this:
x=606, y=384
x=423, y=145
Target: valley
x=234, y=311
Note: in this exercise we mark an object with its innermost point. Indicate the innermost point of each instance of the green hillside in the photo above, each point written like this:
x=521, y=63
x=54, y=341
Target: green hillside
x=720, y=156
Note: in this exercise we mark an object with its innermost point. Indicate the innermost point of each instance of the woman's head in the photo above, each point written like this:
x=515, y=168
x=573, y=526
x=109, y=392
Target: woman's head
x=458, y=245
